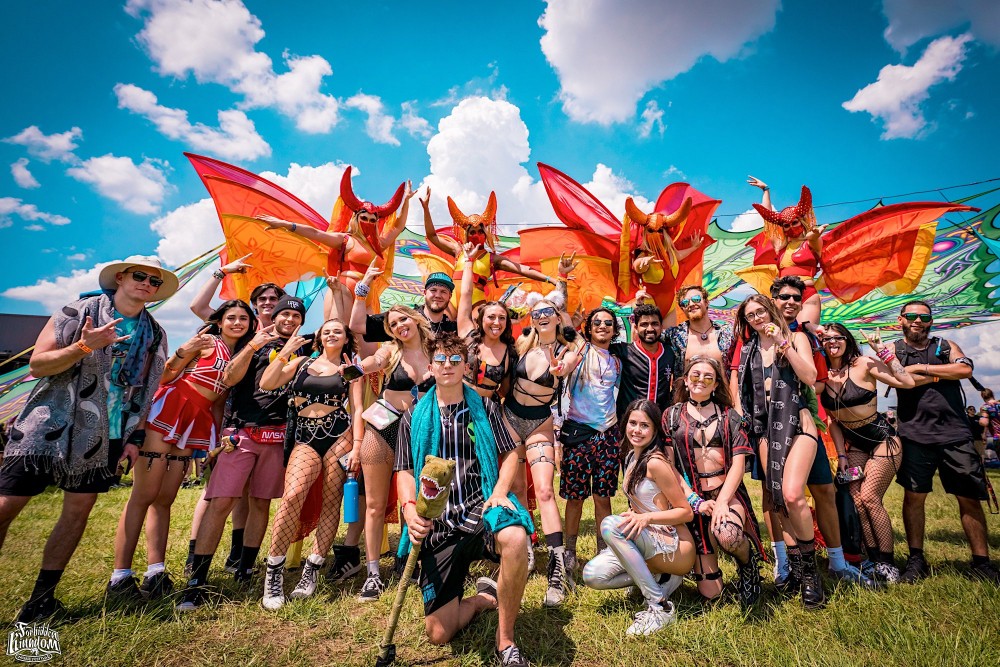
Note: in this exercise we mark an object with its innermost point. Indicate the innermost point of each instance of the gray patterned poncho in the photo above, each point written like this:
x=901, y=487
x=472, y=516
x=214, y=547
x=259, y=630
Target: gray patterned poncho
x=63, y=427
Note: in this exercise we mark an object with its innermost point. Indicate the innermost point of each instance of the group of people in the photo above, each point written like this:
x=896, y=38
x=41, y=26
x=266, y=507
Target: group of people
x=677, y=415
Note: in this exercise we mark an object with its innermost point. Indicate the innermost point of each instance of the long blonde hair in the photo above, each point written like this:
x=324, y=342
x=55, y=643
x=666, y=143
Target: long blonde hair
x=396, y=346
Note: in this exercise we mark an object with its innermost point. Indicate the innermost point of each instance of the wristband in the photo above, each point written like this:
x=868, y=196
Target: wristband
x=283, y=359
x=252, y=347
x=294, y=227
x=361, y=290
x=408, y=502
x=841, y=456
x=83, y=346
x=219, y=273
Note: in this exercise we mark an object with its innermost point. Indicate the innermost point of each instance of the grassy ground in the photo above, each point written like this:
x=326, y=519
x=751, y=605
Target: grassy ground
x=944, y=620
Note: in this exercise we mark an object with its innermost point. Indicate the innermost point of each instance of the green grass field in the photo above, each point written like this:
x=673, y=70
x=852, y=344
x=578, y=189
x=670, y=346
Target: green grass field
x=945, y=620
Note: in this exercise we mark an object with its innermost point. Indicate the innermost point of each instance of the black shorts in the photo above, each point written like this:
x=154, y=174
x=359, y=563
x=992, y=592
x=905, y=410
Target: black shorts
x=20, y=478
x=821, y=472
x=444, y=567
x=958, y=463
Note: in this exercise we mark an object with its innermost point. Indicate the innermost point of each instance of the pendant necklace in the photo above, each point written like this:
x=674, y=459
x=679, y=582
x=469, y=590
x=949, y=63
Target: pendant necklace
x=701, y=334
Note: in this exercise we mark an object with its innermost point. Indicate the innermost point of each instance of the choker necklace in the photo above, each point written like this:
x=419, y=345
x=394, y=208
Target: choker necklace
x=701, y=334
x=700, y=404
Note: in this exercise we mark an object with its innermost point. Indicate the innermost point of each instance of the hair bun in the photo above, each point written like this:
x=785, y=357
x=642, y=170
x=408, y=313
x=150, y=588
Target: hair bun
x=569, y=333
x=526, y=331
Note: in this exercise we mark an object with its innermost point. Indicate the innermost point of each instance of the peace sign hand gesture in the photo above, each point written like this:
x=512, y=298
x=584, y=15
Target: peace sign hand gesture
x=556, y=365
x=469, y=250
x=101, y=337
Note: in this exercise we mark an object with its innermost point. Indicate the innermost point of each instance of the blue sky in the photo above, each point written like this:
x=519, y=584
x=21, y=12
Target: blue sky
x=855, y=99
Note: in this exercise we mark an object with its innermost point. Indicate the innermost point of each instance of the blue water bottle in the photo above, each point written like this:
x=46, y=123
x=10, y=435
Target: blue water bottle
x=350, y=499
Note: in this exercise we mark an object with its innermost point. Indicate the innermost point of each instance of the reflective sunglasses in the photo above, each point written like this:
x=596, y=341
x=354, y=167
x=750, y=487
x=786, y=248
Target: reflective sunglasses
x=441, y=359
x=707, y=380
x=913, y=317
x=140, y=276
x=785, y=297
x=548, y=311
x=834, y=339
x=692, y=299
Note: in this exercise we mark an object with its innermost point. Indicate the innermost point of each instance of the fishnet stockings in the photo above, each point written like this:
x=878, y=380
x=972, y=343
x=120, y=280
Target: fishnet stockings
x=880, y=468
x=304, y=467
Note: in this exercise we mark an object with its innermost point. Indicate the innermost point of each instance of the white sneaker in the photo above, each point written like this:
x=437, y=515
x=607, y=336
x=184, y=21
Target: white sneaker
x=887, y=572
x=652, y=620
x=531, y=558
x=274, y=587
x=307, y=582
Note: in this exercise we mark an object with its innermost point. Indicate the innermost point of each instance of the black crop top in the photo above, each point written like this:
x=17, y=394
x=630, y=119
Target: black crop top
x=328, y=390
x=400, y=380
x=850, y=396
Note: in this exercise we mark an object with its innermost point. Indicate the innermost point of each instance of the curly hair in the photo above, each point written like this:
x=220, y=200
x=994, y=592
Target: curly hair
x=646, y=310
x=447, y=342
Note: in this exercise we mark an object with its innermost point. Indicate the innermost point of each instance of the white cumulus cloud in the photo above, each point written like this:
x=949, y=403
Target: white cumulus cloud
x=413, y=123
x=609, y=53
x=219, y=46
x=23, y=177
x=48, y=147
x=379, y=125
x=10, y=206
x=747, y=221
x=235, y=138
x=912, y=20
x=897, y=95
x=138, y=188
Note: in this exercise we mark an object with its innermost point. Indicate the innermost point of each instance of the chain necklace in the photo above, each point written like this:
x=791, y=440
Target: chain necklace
x=448, y=413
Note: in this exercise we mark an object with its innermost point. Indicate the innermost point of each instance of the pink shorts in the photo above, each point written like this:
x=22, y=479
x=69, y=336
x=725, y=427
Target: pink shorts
x=262, y=466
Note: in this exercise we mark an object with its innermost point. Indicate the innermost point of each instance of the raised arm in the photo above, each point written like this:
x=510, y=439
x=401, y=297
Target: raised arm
x=282, y=368
x=186, y=353
x=389, y=235
x=886, y=369
x=464, y=317
x=201, y=305
x=49, y=359
x=360, y=309
x=237, y=367
x=330, y=239
x=798, y=352
x=442, y=243
x=766, y=199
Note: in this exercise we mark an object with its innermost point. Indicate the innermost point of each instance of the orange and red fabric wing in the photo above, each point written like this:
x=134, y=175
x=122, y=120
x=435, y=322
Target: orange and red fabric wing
x=883, y=246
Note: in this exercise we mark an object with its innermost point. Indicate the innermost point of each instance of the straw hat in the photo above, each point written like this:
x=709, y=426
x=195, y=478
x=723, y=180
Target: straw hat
x=167, y=289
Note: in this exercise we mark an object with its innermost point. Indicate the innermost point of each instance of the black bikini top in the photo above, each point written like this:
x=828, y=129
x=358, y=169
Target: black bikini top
x=546, y=379
x=716, y=439
x=484, y=371
x=325, y=389
x=850, y=396
x=400, y=380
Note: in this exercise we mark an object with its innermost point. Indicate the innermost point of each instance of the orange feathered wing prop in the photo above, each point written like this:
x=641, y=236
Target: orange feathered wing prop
x=885, y=248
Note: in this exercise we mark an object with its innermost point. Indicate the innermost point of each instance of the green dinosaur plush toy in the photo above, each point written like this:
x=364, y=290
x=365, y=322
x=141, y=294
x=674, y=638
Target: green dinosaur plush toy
x=434, y=486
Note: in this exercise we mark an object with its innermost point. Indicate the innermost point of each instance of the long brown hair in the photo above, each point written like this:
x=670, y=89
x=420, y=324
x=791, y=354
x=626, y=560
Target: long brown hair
x=720, y=393
x=656, y=444
x=744, y=330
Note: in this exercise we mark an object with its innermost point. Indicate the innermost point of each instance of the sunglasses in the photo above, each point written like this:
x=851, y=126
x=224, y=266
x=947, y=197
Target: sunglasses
x=140, y=276
x=599, y=322
x=910, y=317
x=693, y=299
x=548, y=311
x=834, y=339
x=707, y=380
x=441, y=359
x=785, y=297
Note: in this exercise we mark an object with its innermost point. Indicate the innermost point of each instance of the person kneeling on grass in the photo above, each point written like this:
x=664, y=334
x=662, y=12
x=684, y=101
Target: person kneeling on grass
x=481, y=520
x=651, y=539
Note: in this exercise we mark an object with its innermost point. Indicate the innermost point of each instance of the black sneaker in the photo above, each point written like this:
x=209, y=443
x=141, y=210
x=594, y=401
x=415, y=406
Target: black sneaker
x=986, y=572
x=371, y=589
x=916, y=569
x=346, y=564
x=194, y=597
x=42, y=608
x=243, y=577
x=232, y=564
x=512, y=657
x=123, y=593
x=156, y=586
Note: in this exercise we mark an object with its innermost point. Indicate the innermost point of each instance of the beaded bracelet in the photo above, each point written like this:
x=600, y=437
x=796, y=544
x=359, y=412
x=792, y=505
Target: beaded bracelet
x=361, y=290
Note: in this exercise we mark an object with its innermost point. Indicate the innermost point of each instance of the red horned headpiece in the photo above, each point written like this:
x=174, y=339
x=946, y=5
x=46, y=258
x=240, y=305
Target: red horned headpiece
x=355, y=204
x=790, y=214
x=655, y=222
x=488, y=220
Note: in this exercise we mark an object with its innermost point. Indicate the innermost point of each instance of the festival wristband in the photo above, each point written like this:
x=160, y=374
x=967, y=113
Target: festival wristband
x=282, y=359
x=219, y=274
x=253, y=347
x=83, y=346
